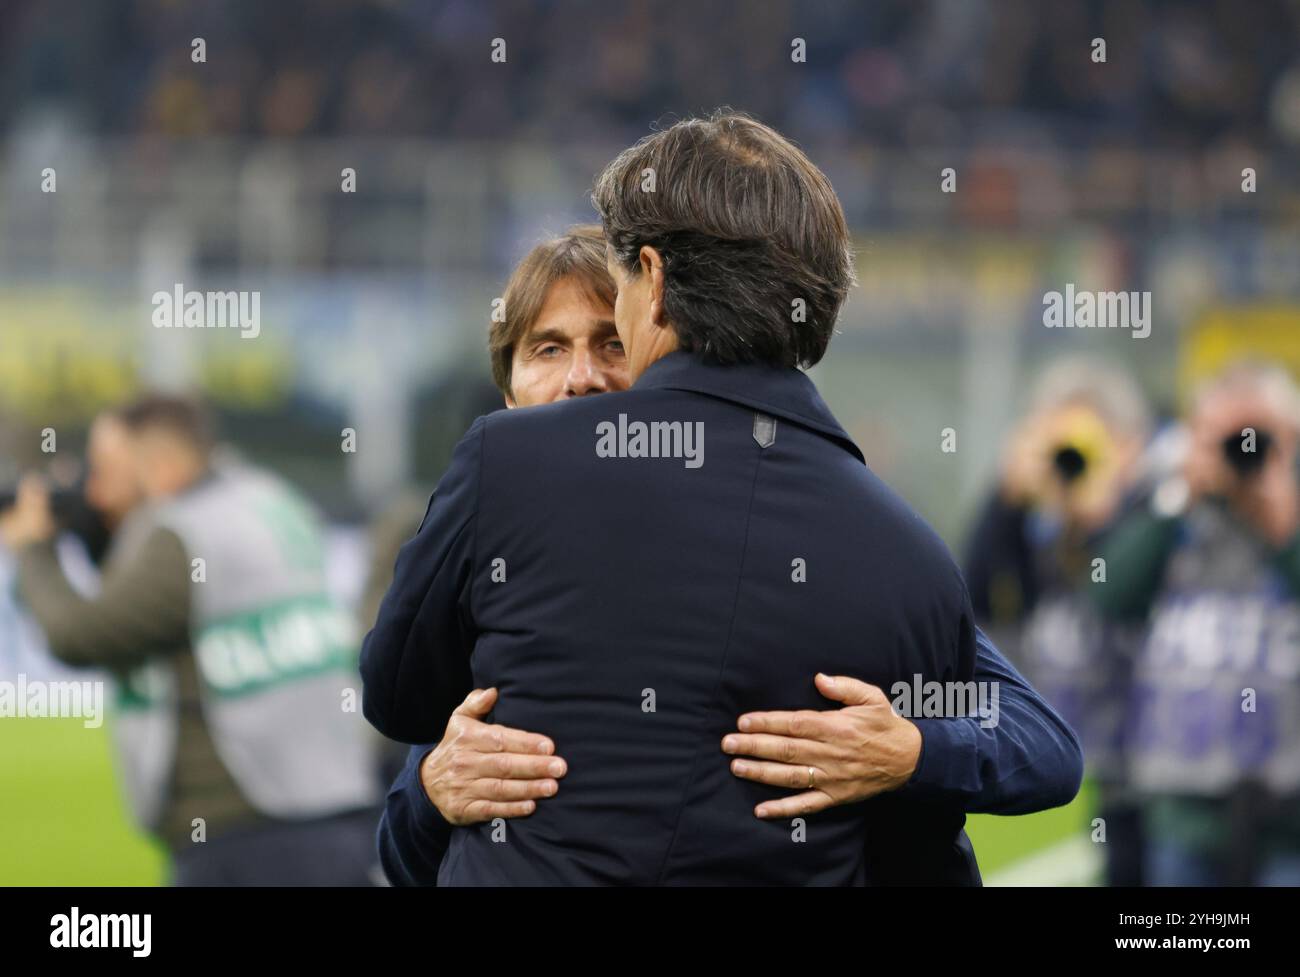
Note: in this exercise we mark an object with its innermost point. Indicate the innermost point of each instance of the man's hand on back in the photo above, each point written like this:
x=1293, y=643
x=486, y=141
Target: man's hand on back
x=847, y=754
x=482, y=771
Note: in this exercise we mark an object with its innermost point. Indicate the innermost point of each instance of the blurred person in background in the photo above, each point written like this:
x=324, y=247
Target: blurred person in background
x=234, y=667
x=1067, y=468
x=1212, y=562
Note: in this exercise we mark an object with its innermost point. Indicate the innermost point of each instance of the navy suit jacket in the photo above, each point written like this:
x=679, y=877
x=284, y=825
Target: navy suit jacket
x=632, y=607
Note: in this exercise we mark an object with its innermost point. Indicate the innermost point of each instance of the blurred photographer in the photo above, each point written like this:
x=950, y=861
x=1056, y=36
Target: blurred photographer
x=232, y=663
x=1213, y=562
x=1066, y=471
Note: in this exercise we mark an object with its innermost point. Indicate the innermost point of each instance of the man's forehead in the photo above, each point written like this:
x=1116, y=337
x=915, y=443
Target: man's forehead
x=108, y=427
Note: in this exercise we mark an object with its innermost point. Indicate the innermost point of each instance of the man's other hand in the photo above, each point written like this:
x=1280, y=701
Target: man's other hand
x=482, y=771
x=848, y=754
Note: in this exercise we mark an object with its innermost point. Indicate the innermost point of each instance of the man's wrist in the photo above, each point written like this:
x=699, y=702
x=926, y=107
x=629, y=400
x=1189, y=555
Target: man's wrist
x=916, y=749
x=915, y=778
x=1284, y=532
x=430, y=806
x=424, y=784
x=35, y=561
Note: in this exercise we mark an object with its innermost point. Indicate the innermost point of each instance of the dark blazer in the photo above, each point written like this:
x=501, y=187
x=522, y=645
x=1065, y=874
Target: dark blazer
x=632, y=607
x=1029, y=761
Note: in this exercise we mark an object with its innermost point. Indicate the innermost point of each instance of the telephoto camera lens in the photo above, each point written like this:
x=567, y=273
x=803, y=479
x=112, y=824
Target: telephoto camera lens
x=1243, y=461
x=1069, y=463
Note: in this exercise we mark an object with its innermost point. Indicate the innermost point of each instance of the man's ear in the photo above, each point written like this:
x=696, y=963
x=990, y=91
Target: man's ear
x=652, y=266
x=510, y=401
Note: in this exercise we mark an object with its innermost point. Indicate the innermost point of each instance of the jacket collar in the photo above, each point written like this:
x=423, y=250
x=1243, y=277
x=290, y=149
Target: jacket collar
x=782, y=392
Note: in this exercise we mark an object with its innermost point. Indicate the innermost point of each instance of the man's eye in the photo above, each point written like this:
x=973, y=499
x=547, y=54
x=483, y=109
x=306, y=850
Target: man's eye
x=615, y=347
x=548, y=350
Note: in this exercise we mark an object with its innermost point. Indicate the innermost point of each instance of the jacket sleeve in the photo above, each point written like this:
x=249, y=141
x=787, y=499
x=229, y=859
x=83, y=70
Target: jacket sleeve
x=413, y=835
x=142, y=610
x=1137, y=551
x=415, y=662
x=1028, y=760
x=1000, y=564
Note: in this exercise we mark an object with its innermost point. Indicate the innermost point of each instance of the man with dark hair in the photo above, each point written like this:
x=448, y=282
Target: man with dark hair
x=721, y=581
x=182, y=419
x=754, y=250
x=232, y=662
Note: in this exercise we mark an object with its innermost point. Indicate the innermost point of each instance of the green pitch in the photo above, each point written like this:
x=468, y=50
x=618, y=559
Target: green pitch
x=64, y=822
x=1001, y=842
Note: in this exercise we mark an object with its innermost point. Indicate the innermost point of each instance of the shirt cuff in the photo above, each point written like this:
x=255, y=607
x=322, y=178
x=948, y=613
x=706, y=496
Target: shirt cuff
x=940, y=748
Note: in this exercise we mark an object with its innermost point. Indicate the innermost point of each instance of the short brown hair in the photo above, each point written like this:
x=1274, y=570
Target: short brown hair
x=746, y=226
x=578, y=253
x=181, y=416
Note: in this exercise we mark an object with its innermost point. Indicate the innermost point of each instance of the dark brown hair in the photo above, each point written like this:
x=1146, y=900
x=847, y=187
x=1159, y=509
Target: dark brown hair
x=178, y=415
x=746, y=226
x=578, y=253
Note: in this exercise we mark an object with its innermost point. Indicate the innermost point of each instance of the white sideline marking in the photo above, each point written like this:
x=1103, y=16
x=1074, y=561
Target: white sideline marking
x=1075, y=861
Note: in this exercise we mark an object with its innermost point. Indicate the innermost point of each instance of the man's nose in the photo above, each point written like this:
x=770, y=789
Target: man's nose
x=585, y=376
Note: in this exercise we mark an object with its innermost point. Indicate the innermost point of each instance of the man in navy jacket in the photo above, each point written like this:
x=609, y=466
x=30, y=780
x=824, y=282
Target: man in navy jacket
x=1028, y=762
x=743, y=546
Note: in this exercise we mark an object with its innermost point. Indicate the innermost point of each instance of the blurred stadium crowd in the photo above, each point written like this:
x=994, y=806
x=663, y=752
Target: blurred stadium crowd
x=1123, y=175
x=893, y=73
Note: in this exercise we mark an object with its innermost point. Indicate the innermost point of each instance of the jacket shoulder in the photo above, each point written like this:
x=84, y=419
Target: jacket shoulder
x=526, y=430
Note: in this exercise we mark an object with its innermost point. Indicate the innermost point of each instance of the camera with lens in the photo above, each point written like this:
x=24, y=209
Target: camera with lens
x=72, y=513
x=1081, y=447
x=1247, y=458
x=64, y=502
